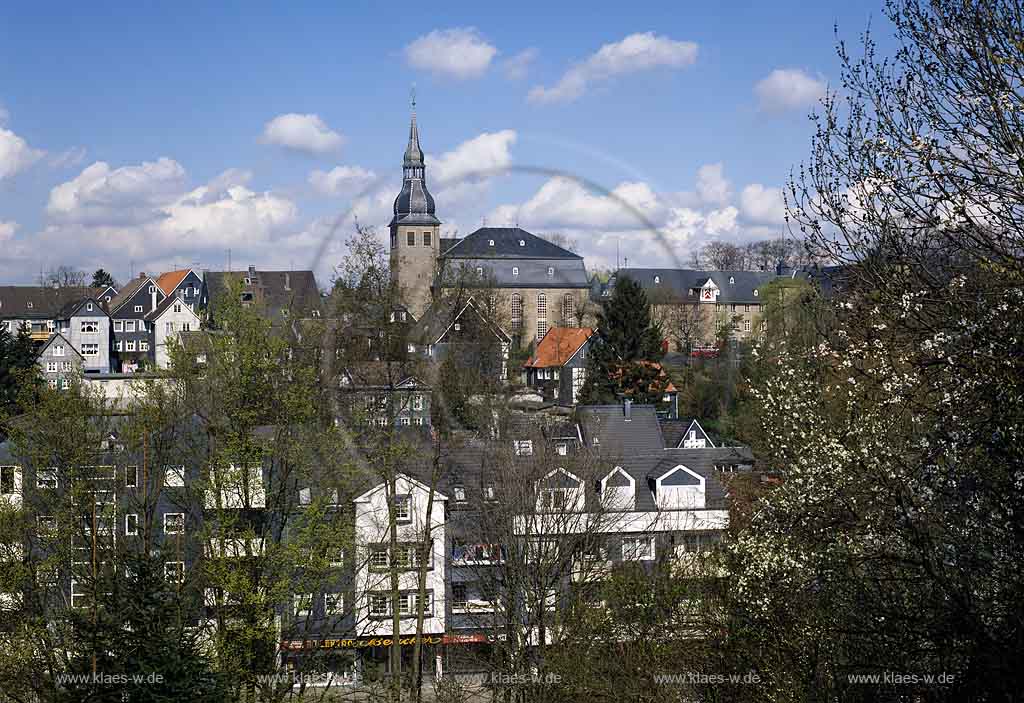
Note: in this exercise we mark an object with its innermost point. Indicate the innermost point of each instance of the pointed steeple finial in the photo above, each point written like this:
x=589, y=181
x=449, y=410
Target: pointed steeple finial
x=413, y=152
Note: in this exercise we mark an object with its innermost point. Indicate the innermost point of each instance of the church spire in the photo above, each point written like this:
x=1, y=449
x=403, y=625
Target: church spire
x=413, y=152
x=414, y=204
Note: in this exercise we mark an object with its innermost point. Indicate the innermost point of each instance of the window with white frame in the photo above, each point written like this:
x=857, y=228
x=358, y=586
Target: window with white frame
x=90, y=350
x=551, y=270
x=746, y=325
x=638, y=548
x=129, y=325
x=129, y=345
x=52, y=383
x=118, y=346
x=46, y=478
x=138, y=308
x=403, y=507
x=459, y=494
x=379, y=604
x=334, y=603
x=489, y=492
x=305, y=496
x=65, y=384
x=568, y=307
x=302, y=604
x=378, y=558
x=523, y=447
x=177, y=307
x=143, y=345
x=417, y=402
x=553, y=499
x=417, y=421
x=131, y=524
x=174, y=523
x=46, y=524
x=89, y=326
x=460, y=600
x=515, y=270
x=51, y=367
x=517, y=311
x=174, y=476
x=174, y=572
x=65, y=366
x=58, y=350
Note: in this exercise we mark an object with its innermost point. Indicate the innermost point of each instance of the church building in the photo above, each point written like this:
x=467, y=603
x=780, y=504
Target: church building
x=531, y=283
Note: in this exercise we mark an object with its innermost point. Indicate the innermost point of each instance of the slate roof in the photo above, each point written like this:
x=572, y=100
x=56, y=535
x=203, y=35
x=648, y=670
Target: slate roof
x=300, y=298
x=532, y=273
x=170, y=280
x=645, y=468
x=617, y=436
x=558, y=345
x=507, y=246
x=53, y=339
x=128, y=291
x=47, y=302
x=678, y=282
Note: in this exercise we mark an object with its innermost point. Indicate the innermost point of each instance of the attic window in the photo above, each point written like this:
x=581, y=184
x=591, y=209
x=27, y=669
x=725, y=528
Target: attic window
x=755, y=292
x=522, y=243
x=657, y=279
x=29, y=305
x=732, y=281
x=490, y=242
x=515, y=270
x=479, y=271
x=551, y=270
x=248, y=281
x=88, y=307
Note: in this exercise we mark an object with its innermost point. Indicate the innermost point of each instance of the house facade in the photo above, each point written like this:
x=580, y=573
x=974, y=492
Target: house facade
x=59, y=363
x=132, y=333
x=170, y=318
x=557, y=369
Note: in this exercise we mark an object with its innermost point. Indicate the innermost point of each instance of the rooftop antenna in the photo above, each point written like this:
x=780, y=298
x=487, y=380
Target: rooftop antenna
x=617, y=253
x=229, y=260
x=412, y=98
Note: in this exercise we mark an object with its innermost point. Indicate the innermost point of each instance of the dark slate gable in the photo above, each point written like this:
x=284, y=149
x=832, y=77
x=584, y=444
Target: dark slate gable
x=646, y=468
x=618, y=436
x=38, y=302
x=507, y=246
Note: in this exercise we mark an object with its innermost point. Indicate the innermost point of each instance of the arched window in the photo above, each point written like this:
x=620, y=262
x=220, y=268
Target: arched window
x=517, y=311
x=542, y=314
x=568, y=309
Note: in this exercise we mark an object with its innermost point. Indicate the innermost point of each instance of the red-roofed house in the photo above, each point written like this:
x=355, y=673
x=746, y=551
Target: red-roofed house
x=558, y=366
x=186, y=281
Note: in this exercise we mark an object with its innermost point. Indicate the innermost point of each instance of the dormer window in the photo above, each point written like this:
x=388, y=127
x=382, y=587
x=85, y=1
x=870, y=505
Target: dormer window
x=618, y=490
x=680, y=488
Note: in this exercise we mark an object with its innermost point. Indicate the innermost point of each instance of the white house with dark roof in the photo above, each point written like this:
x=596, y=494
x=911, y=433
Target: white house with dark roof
x=170, y=318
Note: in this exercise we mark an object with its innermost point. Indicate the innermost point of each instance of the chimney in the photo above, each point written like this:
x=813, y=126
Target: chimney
x=287, y=281
x=627, y=409
x=142, y=274
x=153, y=297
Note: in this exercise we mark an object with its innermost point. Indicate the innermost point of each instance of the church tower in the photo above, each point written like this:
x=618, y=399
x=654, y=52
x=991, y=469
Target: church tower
x=415, y=231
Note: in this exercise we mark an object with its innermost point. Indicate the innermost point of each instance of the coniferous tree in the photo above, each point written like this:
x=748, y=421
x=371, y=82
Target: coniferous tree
x=102, y=279
x=622, y=358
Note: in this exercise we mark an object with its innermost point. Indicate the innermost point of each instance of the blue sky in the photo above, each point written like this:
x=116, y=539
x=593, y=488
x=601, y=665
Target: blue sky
x=141, y=138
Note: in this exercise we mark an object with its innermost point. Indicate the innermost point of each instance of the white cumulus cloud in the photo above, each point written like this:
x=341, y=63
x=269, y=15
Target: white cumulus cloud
x=15, y=153
x=474, y=159
x=712, y=185
x=129, y=194
x=341, y=180
x=762, y=205
x=304, y=133
x=637, y=52
x=788, y=89
x=460, y=53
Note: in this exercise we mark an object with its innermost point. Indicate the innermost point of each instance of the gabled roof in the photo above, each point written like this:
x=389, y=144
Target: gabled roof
x=284, y=295
x=38, y=302
x=675, y=431
x=74, y=306
x=441, y=315
x=165, y=305
x=365, y=497
x=558, y=346
x=509, y=243
x=170, y=280
x=53, y=340
x=128, y=291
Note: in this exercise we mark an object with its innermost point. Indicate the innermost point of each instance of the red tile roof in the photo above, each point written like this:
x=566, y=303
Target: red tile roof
x=558, y=346
x=170, y=280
